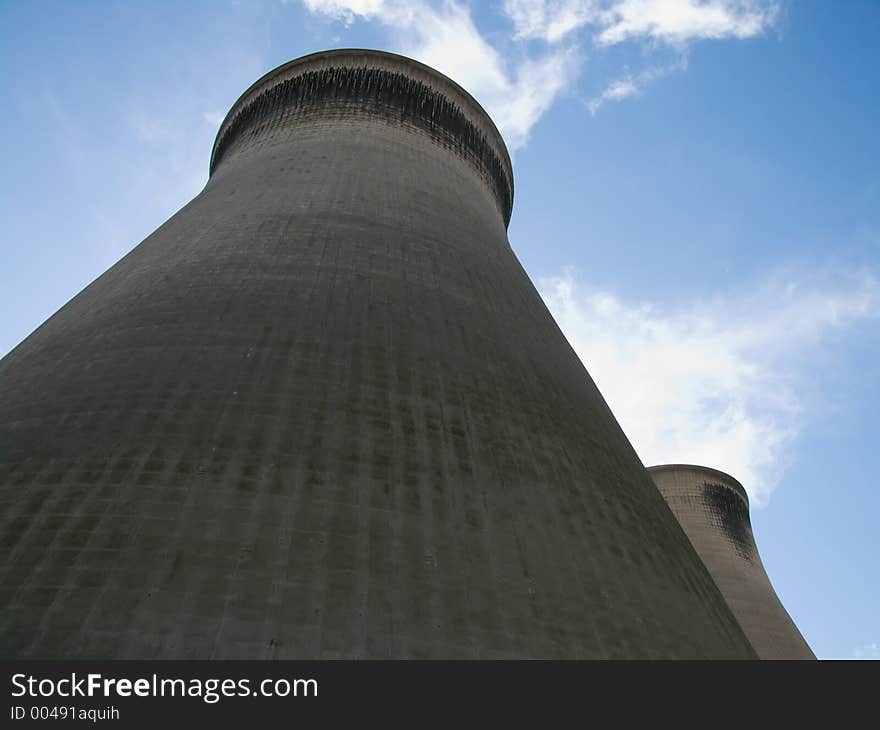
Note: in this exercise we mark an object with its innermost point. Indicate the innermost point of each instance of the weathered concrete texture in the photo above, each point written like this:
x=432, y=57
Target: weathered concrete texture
x=322, y=412
x=713, y=509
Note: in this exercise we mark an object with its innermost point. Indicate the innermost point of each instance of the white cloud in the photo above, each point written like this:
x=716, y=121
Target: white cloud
x=679, y=21
x=615, y=91
x=673, y=23
x=630, y=86
x=514, y=92
x=621, y=89
x=614, y=21
x=550, y=20
x=716, y=382
x=346, y=10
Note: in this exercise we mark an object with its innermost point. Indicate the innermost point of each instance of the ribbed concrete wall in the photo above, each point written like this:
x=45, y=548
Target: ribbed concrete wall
x=322, y=412
x=713, y=509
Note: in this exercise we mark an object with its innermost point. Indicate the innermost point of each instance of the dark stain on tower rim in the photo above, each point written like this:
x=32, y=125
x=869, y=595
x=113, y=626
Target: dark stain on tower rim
x=730, y=511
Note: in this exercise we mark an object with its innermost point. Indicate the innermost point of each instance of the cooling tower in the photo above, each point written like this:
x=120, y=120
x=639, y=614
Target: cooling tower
x=323, y=412
x=713, y=509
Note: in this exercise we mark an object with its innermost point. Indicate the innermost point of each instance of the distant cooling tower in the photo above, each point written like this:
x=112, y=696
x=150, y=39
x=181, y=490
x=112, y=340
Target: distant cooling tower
x=713, y=509
x=322, y=412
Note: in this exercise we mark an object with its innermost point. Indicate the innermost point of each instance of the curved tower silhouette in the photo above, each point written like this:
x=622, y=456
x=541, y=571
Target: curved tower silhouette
x=323, y=412
x=713, y=509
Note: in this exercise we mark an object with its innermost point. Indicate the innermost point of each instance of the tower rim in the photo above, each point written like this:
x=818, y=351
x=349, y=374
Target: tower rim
x=732, y=482
x=392, y=62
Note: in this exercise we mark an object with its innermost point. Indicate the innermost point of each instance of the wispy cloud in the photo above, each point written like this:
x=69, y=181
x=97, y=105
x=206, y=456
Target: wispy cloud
x=518, y=86
x=617, y=90
x=716, y=381
x=349, y=10
x=550, y=20
x=632, y=85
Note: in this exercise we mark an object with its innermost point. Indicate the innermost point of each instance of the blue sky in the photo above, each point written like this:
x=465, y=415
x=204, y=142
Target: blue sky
x=697, y=198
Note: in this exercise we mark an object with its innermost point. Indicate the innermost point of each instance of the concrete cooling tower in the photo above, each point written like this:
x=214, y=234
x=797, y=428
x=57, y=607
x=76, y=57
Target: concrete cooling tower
x=713, y=509
x=323, y=412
